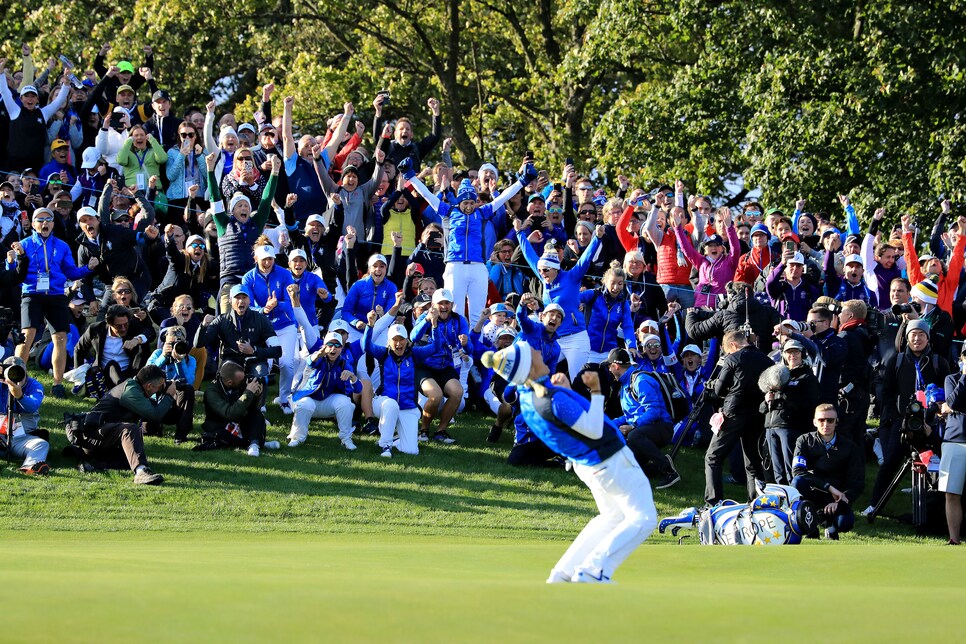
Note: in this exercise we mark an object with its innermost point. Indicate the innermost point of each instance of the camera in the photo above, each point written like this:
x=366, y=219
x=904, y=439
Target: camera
x=914, y=417
x=899, y=309
x=798, y=327
x=387, y=95
x=14, y=373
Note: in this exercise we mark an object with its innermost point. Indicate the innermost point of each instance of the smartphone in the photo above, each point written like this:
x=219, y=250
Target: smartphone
x=538, y=221
x=569, y=161
x=385, y=92
x=249, y=166
x=790, y=246
x=557, y=187
x=530, y=155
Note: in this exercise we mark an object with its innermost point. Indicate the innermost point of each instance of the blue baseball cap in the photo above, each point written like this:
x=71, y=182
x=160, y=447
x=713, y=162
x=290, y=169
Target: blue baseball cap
x=237, y=290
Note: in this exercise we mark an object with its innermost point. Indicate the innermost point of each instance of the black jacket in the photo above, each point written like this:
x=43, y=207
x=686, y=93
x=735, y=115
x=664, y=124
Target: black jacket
x=96, y=335
x=119, y=255
x=702, y=324
x=857, y=368
x=829, y=364
x=254, y=328
x=737, y=382
x=840, y=466
x=795, y=405
x=899, y=380
x=956, y=399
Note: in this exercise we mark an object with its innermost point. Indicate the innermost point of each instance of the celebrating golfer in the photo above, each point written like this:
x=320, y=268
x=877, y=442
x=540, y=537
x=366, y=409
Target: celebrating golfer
x=579, y=430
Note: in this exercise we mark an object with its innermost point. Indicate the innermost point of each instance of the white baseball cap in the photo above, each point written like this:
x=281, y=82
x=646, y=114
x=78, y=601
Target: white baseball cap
x=315, y=219
x=441, y=295
x=554, y=307
x=264, y=251
x=797, y=258
x=853, y=259
x=691, y=348
x=377, y=258
x=332, y=336
x=90, y=158
x=397, y=331
x=87, y=211
x=298, y=252
x=338, y=325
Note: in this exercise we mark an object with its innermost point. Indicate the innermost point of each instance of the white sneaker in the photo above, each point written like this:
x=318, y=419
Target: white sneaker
x=558, y=577
x=272, y=444
x=386, y=451
x=286, y=409
x=253, y=450
x=869, y=510
x=294, y=442
x=348, y=444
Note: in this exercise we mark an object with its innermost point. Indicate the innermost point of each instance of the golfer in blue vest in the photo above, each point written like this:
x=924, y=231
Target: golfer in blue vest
x=578, y=429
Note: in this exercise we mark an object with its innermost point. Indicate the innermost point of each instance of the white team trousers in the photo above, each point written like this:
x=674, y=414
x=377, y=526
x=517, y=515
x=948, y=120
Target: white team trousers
x=288, y=339
x=393, y=420
x=467, y=281
x=336, y=406
x=575, y=348
x=627, y=517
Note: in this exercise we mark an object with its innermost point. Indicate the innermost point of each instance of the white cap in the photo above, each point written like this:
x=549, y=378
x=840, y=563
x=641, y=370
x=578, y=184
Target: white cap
x=797, y=258
x=315, y=219
x=90, y=158
x=648, y=324
x=650, y=337
x=506, y=331
x=264, y=251
x=691, y=348
x=397, y=331
x=338, y=325
x=332, y=336
x=246, y=126
x=298, y=252
x=193, y=239
x=87, y=211
x=442, y=294
x=553, y=307
x=236, y=199
x=853, y=259
x=377, y=258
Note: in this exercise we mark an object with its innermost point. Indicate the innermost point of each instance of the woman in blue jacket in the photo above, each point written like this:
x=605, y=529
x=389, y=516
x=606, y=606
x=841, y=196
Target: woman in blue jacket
x=266, y=285
x=606, y=309
x=395, y=404
x=466, y=274
x=563, y=288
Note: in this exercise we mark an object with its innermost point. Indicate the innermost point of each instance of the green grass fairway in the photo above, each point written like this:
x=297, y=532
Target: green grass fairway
x=452, y=545
x=246, y=587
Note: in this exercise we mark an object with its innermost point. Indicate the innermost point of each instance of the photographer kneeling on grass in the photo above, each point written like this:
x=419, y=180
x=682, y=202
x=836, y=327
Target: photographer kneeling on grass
x=23, y=395
x=233, y=415
x=110, y=433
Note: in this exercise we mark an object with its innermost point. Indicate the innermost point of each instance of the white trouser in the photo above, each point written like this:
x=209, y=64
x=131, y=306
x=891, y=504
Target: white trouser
x=627, y=517
x=308, y=338
x=338, y=406
x=30, y=448
x=575, y=348
x=375, y=377
x=288, y=339
x=421, y=401
x=492, y=400
x=467, y=281
x=393, y=420
x=596, y=357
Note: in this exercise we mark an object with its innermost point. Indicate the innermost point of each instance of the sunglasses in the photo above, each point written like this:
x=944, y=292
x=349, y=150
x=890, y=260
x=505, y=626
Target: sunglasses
x=123, y=291
x=196, y=245
x=333, y=344
x=44, y=220
x=269, y=134
x=187, y=135
x=123, y=220
x=244, y=158
x=587, y=212
x=547, y=270
x=652, y=345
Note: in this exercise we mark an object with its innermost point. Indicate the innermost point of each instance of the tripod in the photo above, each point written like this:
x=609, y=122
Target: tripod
x=695, y=414
x=920, y=485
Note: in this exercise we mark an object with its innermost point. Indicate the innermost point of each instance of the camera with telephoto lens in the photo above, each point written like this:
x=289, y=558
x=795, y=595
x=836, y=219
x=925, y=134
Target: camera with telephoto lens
x=916, y=417
x=14, y=373
x=9, y=326
x=899, y=309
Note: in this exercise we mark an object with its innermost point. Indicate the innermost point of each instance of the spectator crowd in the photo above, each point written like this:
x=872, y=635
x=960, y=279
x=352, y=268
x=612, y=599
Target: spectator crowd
x=161, y=257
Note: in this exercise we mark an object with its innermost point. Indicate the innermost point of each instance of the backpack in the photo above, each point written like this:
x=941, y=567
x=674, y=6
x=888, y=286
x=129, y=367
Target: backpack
x=675, y=400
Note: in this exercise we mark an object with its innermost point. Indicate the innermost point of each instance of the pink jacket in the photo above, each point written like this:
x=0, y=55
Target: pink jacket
x=712, y=277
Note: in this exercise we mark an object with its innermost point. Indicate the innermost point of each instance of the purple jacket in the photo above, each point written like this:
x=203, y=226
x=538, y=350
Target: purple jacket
x=793, y=302
x=712, y=276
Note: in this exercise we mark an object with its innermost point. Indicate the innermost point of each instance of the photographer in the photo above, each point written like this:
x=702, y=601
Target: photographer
x=830, y=358
x=110, y=433
x=787, y=407
x=243, y=336
x=737, y=386
x=905, y=374
x=741, y=306
x=233, y=416
x=179, y=368
x=120, y=345
x=25, y=395
x=828, y=472
x=952, y=466
x=886, y=340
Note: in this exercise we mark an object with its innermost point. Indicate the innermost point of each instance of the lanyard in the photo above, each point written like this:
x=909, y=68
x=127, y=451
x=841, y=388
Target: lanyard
x=141, y=158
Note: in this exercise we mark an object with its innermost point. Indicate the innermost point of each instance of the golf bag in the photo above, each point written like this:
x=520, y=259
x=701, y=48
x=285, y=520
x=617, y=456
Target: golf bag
x=778, y=516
